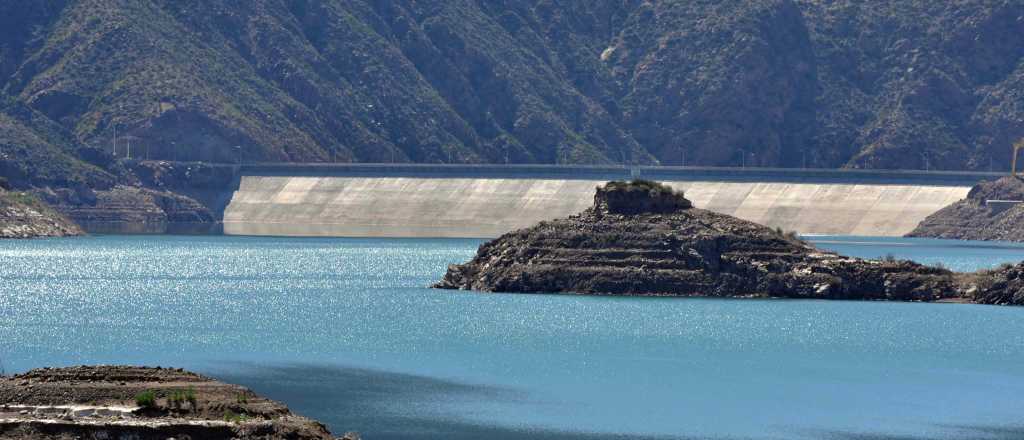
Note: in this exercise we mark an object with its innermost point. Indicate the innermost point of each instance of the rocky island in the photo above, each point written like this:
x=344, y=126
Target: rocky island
x=643, y=238
x=119, y=402
x=991, y=211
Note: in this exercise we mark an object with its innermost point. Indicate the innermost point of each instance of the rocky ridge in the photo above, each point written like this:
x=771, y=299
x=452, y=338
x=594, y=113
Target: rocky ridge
x=142, y=403
x=628, y=243
x=826, y=83
x=989, y=212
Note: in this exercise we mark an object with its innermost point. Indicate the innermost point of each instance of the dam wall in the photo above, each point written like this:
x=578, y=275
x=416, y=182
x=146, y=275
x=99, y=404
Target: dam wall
x=486, y=202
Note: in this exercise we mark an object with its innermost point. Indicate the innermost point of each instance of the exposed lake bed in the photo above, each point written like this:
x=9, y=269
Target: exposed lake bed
x=345, y=331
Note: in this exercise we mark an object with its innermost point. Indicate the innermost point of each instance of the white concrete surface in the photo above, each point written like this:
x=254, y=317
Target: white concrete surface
x=485, y=208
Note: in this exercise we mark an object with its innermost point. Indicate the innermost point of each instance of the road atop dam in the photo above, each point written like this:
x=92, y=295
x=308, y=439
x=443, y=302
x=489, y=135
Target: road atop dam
x=484, y=201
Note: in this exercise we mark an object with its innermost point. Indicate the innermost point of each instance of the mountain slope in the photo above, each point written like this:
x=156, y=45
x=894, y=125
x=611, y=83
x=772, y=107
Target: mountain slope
x=890, y=84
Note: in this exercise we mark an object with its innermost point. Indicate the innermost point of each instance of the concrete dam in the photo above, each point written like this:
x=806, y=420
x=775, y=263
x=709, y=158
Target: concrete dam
x=487, y=201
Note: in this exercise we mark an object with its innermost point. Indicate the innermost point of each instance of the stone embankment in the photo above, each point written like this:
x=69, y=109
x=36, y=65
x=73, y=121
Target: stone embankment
x=991, y=211
x=24, y=216
x=631, y=242
x=142, y=403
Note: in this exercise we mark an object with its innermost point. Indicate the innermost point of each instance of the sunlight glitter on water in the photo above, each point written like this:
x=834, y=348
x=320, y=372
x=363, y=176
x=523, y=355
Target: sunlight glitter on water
x=355, y=315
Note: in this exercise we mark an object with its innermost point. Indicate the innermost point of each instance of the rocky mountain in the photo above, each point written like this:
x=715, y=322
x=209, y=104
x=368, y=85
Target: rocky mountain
x=824, y=83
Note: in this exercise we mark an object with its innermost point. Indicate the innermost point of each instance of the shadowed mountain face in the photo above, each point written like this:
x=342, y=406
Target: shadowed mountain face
x=891, y=84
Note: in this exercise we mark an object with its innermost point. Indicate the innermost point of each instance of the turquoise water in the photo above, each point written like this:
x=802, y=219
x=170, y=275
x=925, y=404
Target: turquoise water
x=344, y=330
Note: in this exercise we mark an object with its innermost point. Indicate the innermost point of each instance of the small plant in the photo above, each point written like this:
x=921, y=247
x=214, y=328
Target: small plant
x=190, y=396
x=242, y=399
x=146, y=399
x=230, y=416
x=889, y=258
x=178, y=398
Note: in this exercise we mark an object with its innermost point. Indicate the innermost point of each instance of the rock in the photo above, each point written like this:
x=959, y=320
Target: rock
x=639, y=196
x=105, y=395
x=1001, y=286
x=130, y=209
x=25, y=216
x=630, y=243
x=975, y=218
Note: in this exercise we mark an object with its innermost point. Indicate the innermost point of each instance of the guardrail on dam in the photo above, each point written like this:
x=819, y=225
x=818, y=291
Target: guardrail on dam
x=378, y=200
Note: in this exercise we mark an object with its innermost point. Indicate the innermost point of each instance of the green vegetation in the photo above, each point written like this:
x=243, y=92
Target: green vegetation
x=146, y=399
x=231, y=416
x=241, y=399
x=178, y=398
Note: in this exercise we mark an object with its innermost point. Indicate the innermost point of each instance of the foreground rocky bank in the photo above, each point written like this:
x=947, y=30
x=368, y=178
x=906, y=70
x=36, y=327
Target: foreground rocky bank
x=989, y=212
x=111, y=402
x=642, y=238
x=24, y=216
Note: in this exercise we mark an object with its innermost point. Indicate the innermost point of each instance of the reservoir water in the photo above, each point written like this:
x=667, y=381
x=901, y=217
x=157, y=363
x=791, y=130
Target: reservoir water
x=345, y=331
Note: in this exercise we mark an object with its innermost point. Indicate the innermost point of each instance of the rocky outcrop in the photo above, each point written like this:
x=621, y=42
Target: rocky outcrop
x=991, y=211
x=640, y=196
x=629, y=244
x=24, y=216
x=141, y=403
x=129, y=209
x=1001, y=286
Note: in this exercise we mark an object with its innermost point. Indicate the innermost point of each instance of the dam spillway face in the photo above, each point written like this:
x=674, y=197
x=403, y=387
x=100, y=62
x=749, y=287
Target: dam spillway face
x=489, y=207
